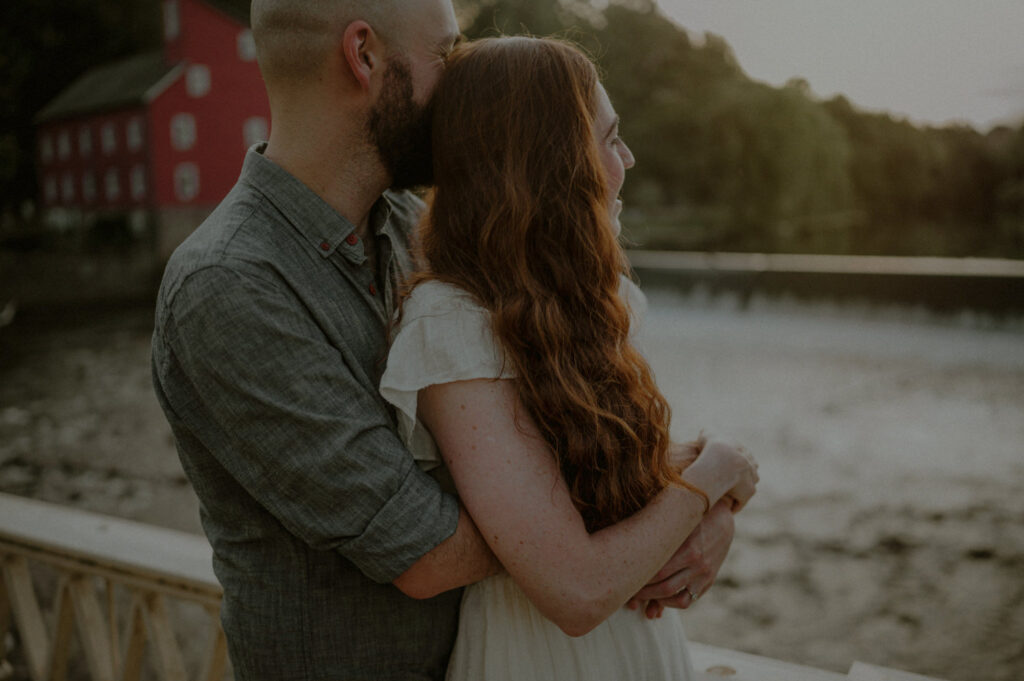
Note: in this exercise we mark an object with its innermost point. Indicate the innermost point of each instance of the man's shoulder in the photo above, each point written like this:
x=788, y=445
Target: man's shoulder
x=243, y=233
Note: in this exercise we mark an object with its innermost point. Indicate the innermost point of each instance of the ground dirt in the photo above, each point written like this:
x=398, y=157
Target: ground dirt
x=888, y=528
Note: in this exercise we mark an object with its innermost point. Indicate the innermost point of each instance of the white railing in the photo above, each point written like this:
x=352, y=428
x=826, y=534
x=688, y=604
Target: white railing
x=122, y=587
x=127, y=589
x=828, y=264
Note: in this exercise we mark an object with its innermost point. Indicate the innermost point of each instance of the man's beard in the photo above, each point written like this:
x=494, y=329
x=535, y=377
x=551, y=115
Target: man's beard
x=400, y=129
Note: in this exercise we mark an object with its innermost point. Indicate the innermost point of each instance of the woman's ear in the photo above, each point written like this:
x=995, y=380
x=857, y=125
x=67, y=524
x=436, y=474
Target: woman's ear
x=362, y=51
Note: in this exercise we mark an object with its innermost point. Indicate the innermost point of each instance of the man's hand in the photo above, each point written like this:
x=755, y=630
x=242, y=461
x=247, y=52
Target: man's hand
x=693, y=568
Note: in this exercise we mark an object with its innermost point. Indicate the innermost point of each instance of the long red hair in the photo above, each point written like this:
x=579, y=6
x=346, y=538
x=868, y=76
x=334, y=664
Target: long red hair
x=519, y=218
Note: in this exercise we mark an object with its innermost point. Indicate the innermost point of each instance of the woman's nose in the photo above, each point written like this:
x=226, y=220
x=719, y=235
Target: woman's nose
x=627, y=157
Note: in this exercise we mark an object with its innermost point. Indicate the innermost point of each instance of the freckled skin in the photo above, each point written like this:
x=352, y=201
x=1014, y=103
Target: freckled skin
x=512, y=487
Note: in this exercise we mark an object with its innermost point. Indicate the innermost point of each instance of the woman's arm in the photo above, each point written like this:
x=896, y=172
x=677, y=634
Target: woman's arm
x=512, y=487
x=693, y=568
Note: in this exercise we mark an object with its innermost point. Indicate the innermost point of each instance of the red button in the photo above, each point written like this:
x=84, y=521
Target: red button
x=324, y=246
x=373, y=290
x=352, y=239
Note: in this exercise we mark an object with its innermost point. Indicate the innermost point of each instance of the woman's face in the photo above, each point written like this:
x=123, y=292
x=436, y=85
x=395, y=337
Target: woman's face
x=615, y=155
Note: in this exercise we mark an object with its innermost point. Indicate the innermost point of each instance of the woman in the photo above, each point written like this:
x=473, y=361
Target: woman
x=513, y=354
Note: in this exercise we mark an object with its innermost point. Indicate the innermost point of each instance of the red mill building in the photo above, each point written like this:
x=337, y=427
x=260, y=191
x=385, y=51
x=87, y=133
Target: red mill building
x=156, y=139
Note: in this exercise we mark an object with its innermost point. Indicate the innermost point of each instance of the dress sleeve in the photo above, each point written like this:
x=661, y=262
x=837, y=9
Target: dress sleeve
x=444, y=336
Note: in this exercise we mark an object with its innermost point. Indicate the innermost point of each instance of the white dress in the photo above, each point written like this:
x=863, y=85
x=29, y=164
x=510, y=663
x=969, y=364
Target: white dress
x=444, y=336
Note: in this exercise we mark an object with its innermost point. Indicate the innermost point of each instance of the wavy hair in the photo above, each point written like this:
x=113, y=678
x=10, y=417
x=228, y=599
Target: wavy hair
x=519, y=218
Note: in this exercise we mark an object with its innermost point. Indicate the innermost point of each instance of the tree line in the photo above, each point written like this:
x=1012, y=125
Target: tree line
x=723, y=162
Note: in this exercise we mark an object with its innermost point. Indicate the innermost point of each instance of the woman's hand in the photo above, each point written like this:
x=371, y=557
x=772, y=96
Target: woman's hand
x=693, y=568
x=746, y=485
x=683, y=454
x=724, y=471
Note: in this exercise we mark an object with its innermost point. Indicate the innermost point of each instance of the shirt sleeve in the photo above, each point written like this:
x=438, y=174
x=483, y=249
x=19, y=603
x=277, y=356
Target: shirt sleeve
x=282, y=411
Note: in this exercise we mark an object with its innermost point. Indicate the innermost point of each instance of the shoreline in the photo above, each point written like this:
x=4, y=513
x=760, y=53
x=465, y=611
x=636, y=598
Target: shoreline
x=870, y=539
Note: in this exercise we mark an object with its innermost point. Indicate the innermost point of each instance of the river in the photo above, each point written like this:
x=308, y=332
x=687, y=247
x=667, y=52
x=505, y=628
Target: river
x=888, y=526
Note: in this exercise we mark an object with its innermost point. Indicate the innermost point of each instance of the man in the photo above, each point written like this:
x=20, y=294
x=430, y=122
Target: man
x=269, y=341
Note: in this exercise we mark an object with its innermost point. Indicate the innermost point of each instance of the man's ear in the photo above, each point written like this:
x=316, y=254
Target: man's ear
x=362, y=50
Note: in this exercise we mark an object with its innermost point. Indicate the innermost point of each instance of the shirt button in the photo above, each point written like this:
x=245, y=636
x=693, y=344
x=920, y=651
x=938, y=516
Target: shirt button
x=373, y=290
x=352, y=239
x=324, y=246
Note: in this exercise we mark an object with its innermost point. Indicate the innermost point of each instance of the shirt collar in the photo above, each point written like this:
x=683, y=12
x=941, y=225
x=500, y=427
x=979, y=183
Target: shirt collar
x=322, y=227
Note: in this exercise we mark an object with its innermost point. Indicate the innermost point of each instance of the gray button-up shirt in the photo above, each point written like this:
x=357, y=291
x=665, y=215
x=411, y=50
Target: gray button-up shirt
x=269, y=343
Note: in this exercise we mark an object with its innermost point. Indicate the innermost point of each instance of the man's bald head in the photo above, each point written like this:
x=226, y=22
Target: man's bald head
x=293, y=37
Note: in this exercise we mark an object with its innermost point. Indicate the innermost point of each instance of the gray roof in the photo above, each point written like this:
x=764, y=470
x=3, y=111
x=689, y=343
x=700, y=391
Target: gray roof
x=108, y=87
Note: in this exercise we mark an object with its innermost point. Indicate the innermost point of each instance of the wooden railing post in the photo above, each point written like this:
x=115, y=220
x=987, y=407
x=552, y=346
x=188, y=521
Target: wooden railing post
x=63, y=628
x=115, y=645
x=162, y=635
x=27, y=616
x=137, y=566
x=92, y=627
x=5, y=618
x=135, y=642
x=216, y=660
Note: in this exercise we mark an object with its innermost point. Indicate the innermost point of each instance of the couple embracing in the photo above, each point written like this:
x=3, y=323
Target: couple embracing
x=450, y=462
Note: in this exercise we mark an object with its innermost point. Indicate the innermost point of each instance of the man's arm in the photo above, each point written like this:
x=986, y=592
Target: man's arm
x=258, y=383
x=463, y=558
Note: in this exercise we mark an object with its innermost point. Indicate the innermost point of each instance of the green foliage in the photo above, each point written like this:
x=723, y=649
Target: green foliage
x=726, y=162
x=723, y=162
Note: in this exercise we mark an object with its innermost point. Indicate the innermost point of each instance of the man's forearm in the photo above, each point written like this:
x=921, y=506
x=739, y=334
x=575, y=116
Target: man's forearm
x=461, y=559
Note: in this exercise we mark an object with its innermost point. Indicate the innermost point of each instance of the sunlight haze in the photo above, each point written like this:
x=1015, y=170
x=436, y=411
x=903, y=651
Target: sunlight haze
x=933, y=61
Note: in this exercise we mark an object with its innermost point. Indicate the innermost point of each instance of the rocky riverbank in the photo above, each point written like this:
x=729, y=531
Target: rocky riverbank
x=889, y=526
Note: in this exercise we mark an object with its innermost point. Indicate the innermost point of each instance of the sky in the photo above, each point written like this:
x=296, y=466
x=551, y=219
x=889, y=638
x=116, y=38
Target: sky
x=931, y=61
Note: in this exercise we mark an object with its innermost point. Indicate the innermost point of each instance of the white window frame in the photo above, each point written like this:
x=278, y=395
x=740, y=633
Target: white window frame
x=186, y=182
x=108, y=136
x=172, y=20
x=67, y=188
x=134, y=136
x=85, y=142
x=198, y=80
x=183, y=131
x=46, y=148
x=112, y=184
x=137, y=182
x=246, y=46
x=52, y=192
x=254, y=129
x=88, y=187
x=63, y=145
